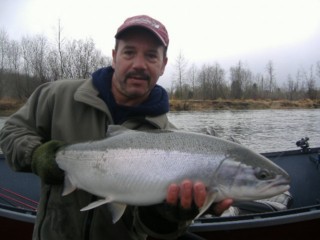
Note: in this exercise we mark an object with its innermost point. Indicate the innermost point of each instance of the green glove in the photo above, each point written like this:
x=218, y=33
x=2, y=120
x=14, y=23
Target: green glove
x=44, y=163
x=177, y=213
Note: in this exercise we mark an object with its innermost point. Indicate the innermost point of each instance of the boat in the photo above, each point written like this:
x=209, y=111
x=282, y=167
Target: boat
x=19, y=195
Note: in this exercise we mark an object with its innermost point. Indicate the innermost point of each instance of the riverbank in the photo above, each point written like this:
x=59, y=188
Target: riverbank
x=228, y=104
x=9, y=106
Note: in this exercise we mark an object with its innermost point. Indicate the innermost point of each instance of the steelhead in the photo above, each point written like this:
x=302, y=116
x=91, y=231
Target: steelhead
x=131, y=167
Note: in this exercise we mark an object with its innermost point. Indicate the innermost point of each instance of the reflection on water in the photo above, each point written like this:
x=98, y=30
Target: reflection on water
x=261, y=130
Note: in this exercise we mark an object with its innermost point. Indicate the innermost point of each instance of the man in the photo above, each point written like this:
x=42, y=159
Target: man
x=81, y=110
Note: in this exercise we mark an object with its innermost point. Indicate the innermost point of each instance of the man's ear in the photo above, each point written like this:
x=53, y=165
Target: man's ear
x=164, y=64
x=114, y=54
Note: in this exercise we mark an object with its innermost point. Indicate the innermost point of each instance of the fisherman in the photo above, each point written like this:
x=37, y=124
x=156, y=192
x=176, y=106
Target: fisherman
x=61, y=112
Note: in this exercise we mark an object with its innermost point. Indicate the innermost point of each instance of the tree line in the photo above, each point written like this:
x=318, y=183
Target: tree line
x=33, y=60
x=211, y=81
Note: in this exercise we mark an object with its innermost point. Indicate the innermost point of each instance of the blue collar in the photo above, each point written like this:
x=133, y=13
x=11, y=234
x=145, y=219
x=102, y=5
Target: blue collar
x=156, y=104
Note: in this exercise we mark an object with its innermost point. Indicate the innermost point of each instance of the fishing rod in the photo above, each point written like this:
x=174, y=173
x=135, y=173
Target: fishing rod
x=29, y=203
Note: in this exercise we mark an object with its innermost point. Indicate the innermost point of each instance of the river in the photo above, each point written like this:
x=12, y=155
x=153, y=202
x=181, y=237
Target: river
x=261, y=130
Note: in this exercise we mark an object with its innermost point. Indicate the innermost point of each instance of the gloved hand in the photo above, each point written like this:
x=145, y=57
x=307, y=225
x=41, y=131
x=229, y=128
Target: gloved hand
x=165, y=218
x=177, y=213
x=44, y=163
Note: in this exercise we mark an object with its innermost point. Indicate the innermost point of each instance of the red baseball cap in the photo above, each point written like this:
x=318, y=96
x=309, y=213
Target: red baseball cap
x=144, y=21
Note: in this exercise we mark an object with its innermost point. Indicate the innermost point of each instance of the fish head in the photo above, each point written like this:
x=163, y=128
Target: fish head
x=250, y=176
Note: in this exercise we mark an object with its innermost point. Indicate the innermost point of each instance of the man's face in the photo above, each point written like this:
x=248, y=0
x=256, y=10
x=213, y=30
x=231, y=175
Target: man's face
x=138, y=61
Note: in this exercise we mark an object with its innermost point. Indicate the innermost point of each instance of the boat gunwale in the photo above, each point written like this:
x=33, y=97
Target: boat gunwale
x=256, y=220
x=15, y=213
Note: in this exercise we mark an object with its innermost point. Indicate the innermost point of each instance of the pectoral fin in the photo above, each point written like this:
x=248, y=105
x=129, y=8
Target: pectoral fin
x=209, y=200
x=68, y=186
x=116, y=209
x=96, y=204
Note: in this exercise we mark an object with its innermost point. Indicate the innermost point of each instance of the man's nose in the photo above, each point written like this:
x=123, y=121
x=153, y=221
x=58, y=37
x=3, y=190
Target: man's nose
x=139, y=62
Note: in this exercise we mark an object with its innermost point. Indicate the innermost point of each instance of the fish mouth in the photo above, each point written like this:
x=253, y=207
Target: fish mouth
x=282, y=183
x=282, y=180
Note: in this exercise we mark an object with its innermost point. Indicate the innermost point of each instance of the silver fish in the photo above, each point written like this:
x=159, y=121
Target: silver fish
x=135, y=168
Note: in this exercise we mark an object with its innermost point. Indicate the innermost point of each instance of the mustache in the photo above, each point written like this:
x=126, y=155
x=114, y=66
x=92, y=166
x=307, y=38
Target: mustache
x=138, y=75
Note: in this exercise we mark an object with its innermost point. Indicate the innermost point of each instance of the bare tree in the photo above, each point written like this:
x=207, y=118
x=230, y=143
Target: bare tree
x=34, y=51
x=260, y=84
x=310, y=83
x=180, y=73
x=240, y=79
x=203, y=79
x=299, y=85
x=192, y=73
x=78, y=58
x=60, y=41
x=211, y=81
x=216, y=79
x=291, y=88
x=99, y=60
x=271, y=77
x=54, y=66
x=318, y=69
x=14, y=56
x=4, y=42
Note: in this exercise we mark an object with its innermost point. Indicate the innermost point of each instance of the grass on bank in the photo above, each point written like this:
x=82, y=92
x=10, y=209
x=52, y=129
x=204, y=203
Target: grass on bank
x=236, y=104
x=9, y=106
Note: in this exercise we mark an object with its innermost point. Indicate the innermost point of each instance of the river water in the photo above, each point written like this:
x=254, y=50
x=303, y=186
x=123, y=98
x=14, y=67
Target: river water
x=261, y=130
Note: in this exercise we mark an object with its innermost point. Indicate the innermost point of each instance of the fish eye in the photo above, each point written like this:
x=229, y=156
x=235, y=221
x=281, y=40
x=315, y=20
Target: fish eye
x=263, y=174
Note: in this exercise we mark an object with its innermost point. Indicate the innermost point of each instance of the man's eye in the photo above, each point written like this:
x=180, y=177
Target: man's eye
x=152, y=56
x=129, y=53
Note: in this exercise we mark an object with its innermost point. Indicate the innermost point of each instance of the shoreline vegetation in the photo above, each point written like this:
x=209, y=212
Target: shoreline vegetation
x=9, y=106
x=241, y=104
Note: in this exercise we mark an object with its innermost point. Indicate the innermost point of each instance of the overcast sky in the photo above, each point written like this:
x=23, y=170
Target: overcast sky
x=205, y=31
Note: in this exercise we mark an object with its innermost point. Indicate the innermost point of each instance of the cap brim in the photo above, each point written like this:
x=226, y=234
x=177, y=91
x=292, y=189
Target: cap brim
x=121, y=31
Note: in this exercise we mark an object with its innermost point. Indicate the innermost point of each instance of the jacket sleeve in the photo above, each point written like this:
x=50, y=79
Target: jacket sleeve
x=26, y=129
